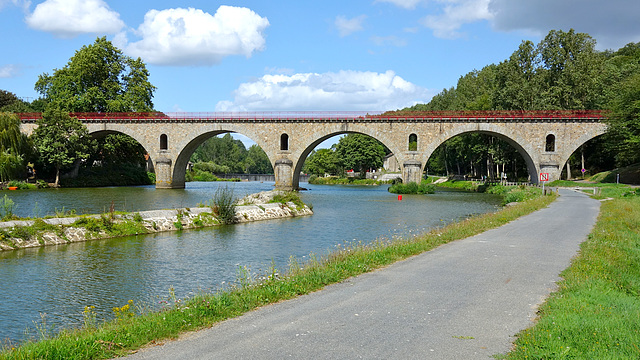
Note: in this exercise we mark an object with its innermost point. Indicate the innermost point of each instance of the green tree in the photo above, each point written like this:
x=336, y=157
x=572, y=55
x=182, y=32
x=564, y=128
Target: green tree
x=571, y=70
x=224, y=151
x=61, y=140
x=624, y=124
x=99, y=78
x=322, y=161
x=360, y=152
x=15, y=147
x=257, y=161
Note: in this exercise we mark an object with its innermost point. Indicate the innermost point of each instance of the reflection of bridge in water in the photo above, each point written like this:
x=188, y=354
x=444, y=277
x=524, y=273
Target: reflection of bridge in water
x=545, y=139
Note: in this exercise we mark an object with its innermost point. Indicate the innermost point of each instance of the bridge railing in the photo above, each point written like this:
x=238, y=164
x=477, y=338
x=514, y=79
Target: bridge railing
x=578, y=115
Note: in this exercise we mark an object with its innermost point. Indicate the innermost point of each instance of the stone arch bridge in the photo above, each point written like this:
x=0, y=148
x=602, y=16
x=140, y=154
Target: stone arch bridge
x=545, y=139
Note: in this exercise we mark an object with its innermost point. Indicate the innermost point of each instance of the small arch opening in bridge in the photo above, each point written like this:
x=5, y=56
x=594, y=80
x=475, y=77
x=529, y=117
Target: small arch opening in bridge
x=413, y=142
x=284, y=142
x=550, y=145
x=164, y=142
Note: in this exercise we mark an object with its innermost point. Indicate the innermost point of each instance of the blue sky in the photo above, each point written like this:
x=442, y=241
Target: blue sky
x=296, y=55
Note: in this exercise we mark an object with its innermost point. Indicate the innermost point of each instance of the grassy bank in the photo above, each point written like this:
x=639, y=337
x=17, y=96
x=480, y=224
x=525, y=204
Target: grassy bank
x=334, y=180
x=595, y=314
x=132, y=328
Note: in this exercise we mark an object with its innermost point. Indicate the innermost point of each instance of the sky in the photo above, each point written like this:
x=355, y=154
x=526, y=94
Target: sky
x=282, y=55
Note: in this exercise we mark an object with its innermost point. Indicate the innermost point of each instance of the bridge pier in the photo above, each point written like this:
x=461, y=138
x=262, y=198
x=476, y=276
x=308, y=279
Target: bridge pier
x=412, y=171
x=283, y=171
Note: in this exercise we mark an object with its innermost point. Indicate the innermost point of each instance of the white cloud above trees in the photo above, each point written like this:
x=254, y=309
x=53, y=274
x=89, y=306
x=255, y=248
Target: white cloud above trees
x=69, y=18
x=196, y=38
x=343, y=90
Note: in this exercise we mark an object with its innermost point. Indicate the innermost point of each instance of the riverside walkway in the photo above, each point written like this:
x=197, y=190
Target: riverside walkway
x=463, y=300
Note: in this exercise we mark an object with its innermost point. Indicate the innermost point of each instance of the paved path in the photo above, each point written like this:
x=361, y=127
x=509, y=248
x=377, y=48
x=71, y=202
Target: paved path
x=464, y=300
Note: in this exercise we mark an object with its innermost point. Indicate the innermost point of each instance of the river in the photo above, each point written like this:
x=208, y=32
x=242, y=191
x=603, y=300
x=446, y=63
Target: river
x=60, y=281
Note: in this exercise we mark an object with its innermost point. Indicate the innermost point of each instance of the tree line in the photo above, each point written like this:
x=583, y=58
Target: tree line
x=563, y=71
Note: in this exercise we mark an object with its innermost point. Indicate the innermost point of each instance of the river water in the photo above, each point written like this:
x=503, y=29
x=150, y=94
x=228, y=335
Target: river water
x=60, y=281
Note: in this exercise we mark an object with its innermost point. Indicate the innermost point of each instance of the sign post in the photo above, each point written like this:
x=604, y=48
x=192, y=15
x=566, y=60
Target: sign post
x=544, y=177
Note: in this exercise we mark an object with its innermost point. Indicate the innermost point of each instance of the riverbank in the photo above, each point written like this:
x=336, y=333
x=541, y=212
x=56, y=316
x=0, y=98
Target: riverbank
x=121, y=336
x=18, y=234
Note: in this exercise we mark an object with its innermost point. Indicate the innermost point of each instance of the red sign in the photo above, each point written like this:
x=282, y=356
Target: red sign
x=544, y=176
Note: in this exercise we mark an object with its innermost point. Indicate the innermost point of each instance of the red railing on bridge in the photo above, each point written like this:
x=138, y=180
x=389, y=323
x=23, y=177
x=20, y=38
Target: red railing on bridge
x=336, y=115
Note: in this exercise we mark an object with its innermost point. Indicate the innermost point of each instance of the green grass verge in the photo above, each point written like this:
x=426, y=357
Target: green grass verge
x=128, y=333
x=334, y=180
x=595, y=314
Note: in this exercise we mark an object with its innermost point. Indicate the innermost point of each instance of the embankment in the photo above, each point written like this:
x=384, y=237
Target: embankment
x=55, y=231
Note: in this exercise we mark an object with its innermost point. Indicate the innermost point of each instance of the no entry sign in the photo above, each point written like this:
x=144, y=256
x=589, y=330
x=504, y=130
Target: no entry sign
x=544, y=177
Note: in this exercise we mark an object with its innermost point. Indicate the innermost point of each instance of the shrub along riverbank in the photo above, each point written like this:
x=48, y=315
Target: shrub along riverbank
x=132, y=328
x=334, y=180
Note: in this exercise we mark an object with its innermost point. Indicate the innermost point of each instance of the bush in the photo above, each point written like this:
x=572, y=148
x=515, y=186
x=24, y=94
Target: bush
x=413, y=188
x=223, y=205
x=6, y=208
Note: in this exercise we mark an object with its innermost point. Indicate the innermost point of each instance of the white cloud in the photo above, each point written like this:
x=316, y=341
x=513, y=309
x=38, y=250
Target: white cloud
x=24, y=4
x=344, y=90
x=614, y=23
x=9, y=71
x=407, y=4
x=455, y=14
x=194, y=37
x=348, y=26
x=68, y=18
x=389, y=40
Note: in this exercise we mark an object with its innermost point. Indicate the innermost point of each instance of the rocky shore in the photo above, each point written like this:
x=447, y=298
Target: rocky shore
x=56, y=231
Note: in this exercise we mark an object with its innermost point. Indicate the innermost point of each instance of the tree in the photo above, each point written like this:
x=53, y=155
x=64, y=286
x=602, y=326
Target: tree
x=571, y=70
x=225, y=151
x=98, y=78
x=322, y=161
x=15, y=147
x=360, y=152
x=61, y=139
x=624, y=125
x=257, y=161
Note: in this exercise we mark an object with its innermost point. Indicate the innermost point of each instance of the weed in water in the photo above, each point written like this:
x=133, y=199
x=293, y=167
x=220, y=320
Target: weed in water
x=6, y=208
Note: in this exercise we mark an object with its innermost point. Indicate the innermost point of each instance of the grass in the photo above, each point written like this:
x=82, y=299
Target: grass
x=334, y=180
x=125, y=334
x=595, y=314
x=289, y=196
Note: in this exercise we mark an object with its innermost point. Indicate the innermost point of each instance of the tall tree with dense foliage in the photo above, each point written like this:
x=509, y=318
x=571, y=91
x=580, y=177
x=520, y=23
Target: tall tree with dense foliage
x=61, y=140
x=99, y=78
x=321, y=162
x=360, y=152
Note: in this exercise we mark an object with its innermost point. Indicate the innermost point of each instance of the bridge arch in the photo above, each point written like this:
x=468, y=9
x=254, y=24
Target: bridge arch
x=524, y=148
x=328, y=133
x=187, y=148
x=568, y=150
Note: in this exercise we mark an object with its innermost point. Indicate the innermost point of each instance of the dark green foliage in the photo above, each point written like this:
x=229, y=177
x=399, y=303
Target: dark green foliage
x=61, y=140
x=122, y=175
x=413, y=188
x=321, y=162
x=360, y=153
x=98, y=78
x=15, y=148
x=225, y=155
